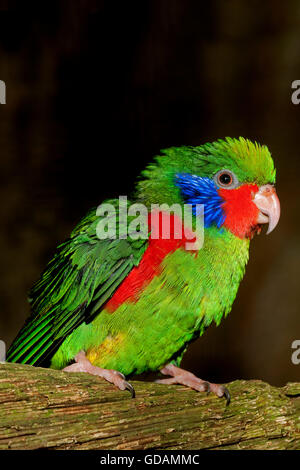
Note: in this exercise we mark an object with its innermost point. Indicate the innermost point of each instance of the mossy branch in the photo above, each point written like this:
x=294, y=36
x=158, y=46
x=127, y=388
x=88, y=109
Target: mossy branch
x=43, y=408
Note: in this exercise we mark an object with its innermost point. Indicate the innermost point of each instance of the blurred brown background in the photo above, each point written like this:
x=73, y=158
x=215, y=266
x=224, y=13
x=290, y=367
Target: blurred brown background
x=96, y=88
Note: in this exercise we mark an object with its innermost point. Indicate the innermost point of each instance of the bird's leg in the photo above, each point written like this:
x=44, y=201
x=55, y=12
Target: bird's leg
x=82, y=364
x=183, y=377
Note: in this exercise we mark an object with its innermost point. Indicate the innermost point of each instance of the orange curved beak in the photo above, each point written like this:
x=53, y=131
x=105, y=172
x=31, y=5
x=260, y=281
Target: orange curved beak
x=266, y=200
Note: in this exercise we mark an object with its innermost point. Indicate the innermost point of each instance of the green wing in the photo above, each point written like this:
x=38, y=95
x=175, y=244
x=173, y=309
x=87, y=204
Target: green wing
x=78, y=281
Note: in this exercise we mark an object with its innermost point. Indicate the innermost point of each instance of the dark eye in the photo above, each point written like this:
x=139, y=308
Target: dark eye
x=226, y=179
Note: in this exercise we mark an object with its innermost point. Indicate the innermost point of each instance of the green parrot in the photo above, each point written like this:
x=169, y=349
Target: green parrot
x=120, y=305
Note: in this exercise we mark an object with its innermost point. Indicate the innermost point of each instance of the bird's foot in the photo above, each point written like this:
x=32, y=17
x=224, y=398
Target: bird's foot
x=82, y=364
x=183, y=377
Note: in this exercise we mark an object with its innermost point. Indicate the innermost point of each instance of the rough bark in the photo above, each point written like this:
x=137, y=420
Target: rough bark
x=43, y=408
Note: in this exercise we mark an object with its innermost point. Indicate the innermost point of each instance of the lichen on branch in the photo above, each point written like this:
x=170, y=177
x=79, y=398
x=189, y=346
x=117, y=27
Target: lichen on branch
x=44, y=408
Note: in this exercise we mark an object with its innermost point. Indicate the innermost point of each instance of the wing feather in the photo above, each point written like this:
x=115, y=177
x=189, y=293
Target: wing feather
x=78, y=281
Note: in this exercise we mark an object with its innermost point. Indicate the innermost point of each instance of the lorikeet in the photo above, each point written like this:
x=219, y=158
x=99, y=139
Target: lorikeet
x=121, y=306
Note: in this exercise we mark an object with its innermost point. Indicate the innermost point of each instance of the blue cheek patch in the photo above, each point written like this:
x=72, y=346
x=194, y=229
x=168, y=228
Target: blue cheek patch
x=198, y=190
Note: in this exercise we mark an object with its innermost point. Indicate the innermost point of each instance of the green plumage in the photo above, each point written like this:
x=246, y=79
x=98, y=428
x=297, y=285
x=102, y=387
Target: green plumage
x=191, y=290
x=75, y=285
x=160, y=325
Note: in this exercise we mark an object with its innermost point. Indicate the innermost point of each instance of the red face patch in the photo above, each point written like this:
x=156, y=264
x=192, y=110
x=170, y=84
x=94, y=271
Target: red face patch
x=240, y=211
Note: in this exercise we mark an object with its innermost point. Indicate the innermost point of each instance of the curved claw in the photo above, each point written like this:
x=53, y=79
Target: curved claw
x=226, y=394
x=206, y=386
x=130, y=388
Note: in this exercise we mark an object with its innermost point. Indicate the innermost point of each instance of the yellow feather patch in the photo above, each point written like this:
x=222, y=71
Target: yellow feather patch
x=109, y=346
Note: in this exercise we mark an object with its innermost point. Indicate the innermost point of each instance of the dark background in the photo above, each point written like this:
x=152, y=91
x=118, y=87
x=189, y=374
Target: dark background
x=95, y=89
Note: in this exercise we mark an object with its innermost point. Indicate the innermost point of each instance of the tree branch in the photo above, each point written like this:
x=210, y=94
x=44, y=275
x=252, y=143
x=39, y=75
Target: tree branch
x=44, y=408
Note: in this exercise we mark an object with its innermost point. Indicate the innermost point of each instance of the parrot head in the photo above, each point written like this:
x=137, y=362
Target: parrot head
x=233, y=179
